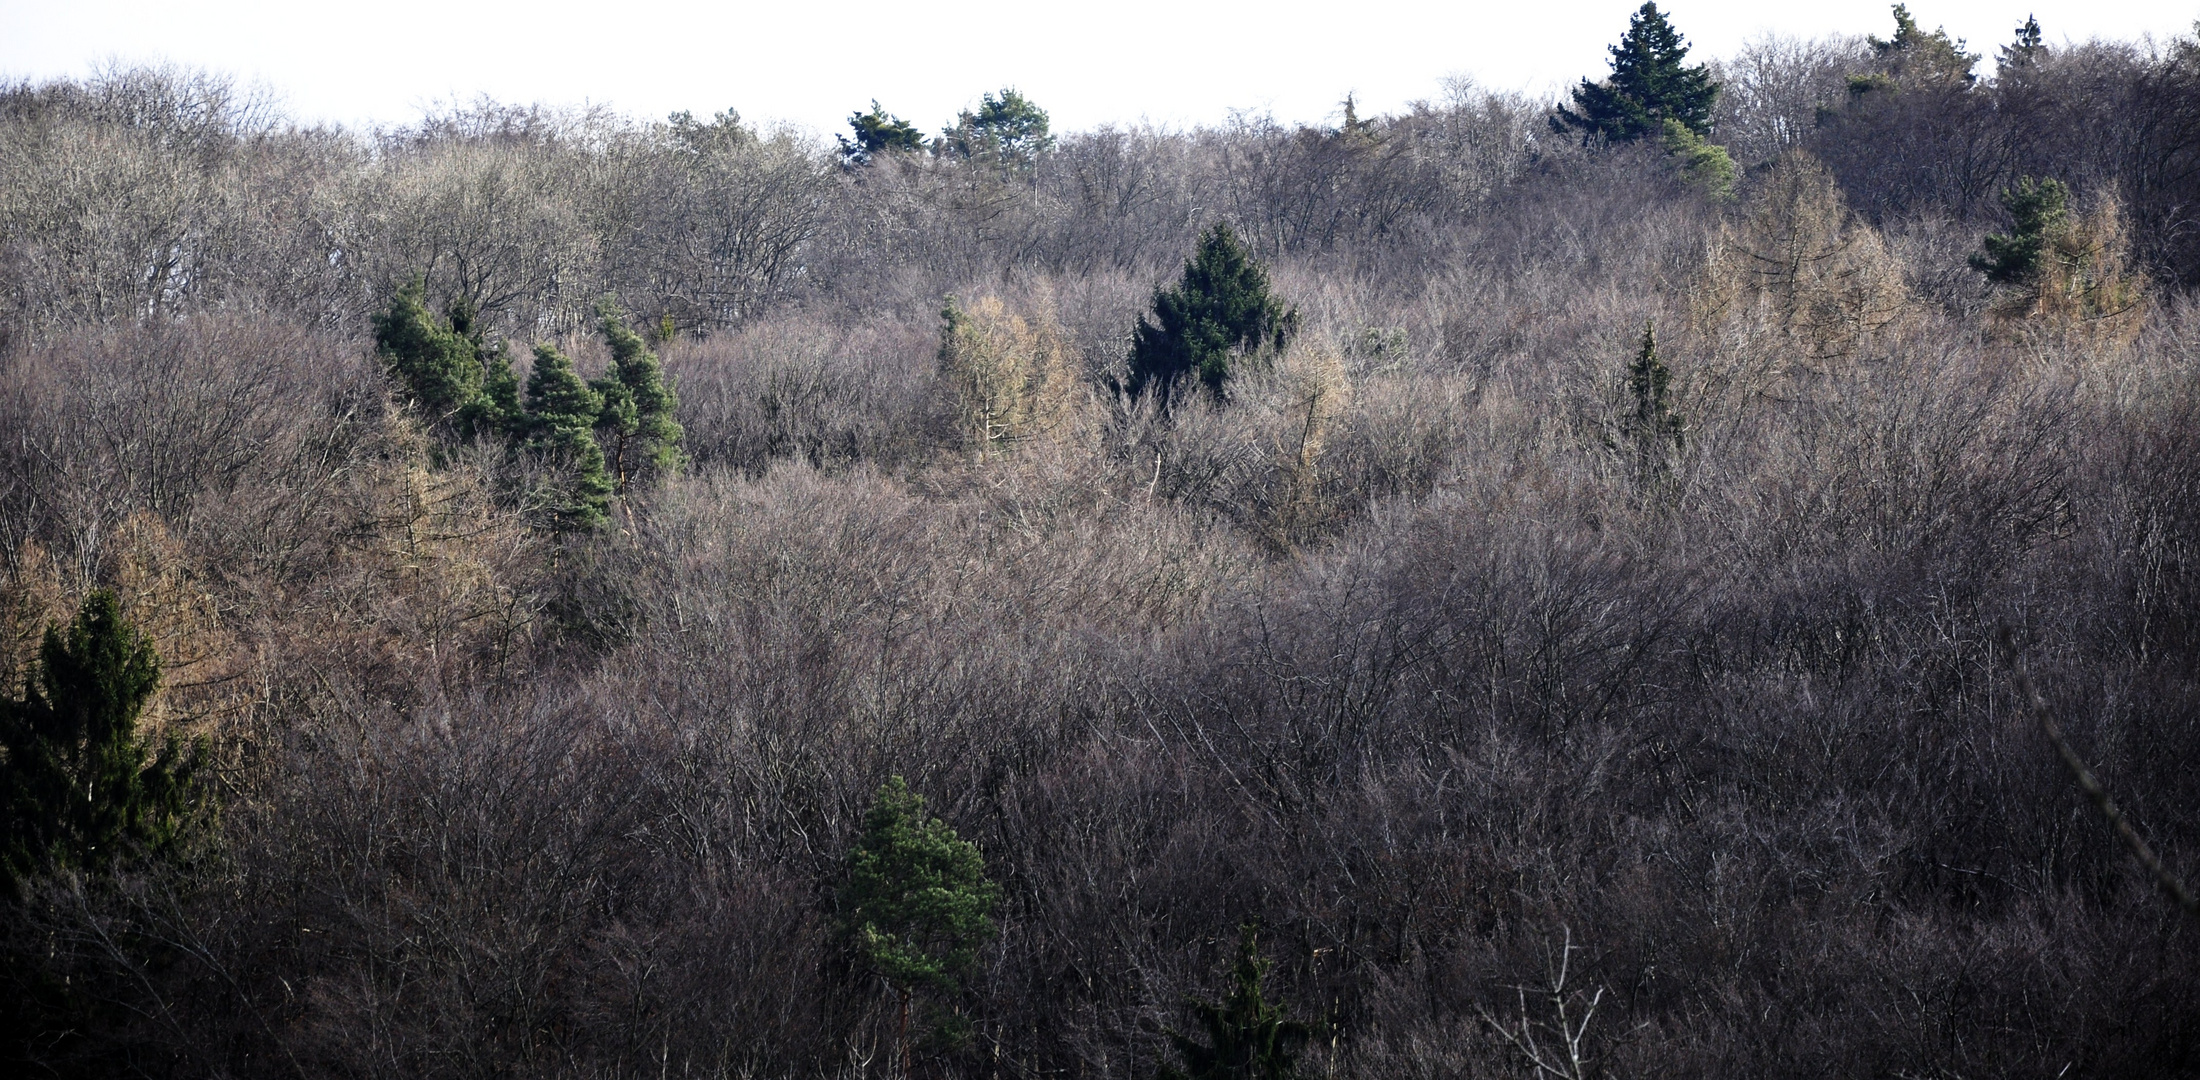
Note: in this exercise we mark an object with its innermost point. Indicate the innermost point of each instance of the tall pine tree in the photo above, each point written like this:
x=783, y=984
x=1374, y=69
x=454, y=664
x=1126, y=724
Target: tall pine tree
x=1218, y=314
x=79, y=787
x=1649, y=85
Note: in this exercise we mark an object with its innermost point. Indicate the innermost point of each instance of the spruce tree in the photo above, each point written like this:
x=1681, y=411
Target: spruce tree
x=1247, y=1037
x=562, y=413
x=78, y=785
x=917, y=900
x=636, y=415
x=1649, y=85
x=1219, y=312
x=2041, y=209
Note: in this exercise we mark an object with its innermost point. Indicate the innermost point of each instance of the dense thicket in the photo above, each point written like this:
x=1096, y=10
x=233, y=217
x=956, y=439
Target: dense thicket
x=1481, y=640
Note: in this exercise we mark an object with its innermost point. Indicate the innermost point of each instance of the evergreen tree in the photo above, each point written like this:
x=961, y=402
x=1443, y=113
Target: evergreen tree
x=1247, y=1037
x=877, y=133
x=562, y=412
x=2026, y=51
x=1008, y=131
x=1219, y=311
x=1648, y=86
x=1654, y=428
x=636, y=416
x=447, y=372
x=1915, y=58
x=917, y=899
x=2042, y=212
x=78, y=785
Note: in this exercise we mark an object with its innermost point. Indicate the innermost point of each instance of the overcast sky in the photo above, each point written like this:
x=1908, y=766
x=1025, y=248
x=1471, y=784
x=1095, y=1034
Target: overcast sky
x=811, y=64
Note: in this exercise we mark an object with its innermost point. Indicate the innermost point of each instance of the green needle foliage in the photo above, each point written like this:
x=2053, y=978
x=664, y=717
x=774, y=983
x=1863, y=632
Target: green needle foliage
x=1219, y=312
x=1247, y=1037
x=919, y=903
x=1653, y=432
x=2042, y=212
x=636, y=415
x=1649, y=85
x=447, y=373
x=878, y=133
x=79, y=787
x=1008, y=131
x=562, y=412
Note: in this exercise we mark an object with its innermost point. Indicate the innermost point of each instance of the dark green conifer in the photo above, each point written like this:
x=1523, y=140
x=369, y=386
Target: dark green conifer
x=1008, y=130
x=78, y=786
x=877, y=133
x=1649, y=85
x=1913, y=57
x=1654, y=427
x=562, y=413
x=459, y=384
x=1247, y=1036
x=2041, y=209
x=2025, y=52
x=636, y=416
x=917, y=900
x=1218, y=314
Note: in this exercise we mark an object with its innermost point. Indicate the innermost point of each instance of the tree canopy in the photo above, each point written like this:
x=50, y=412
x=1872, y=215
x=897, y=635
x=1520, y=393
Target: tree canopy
x=79, y=786
x=1247, y=1035
x=1006, y=130
x=877, y=133
x=1649, y=85
x=1219, y=312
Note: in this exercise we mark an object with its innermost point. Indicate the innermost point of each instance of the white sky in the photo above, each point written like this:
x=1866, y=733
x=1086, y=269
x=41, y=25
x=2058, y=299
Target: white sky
x=811, y=64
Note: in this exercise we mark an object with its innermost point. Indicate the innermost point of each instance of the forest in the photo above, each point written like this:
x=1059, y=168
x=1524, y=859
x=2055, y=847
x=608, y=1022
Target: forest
x=1695, y=575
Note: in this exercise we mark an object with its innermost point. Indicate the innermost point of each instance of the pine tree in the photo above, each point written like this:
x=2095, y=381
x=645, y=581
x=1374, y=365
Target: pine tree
x=1218, y=313
x=2042, y=212
x=447, y=372
x=562, y=412
x=2025, y=52
x=79, y=786
x=1648, y=86
x=638, y=405
x=917, y=899
x=1247, y=1037
x=1913, y=57
x=1008, y=131
x=878, y=133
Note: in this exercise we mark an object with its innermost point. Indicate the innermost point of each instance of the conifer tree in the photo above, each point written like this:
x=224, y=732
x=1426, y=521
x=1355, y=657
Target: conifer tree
x=1654, y=425
x=79, y=787
x=2025, y=51
x=636, y=416
x=1219, y=313
x=2041, y=209
x=1649, y=85
x=917, y=899
x=446, y=371
x=878, y=133
x=1247, y=1037
x=562, y=413
x=1007, y=130
x=1913, y=57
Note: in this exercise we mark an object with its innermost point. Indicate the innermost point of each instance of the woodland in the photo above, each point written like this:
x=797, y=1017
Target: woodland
x=1696, y=576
